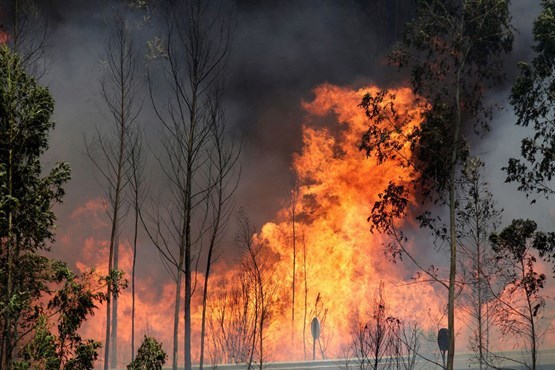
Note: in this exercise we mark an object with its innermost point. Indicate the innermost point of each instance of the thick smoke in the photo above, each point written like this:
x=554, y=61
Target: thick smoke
x=281, y=50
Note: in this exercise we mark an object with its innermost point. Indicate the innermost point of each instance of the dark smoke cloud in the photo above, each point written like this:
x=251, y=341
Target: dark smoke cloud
x=281, y=50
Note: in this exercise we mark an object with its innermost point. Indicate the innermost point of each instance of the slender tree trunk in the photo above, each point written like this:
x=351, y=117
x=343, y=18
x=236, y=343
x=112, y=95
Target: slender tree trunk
x=114, y=340
x=203, y=319
x=452, y=275
x=255, y=324
x=533, y=339
x=176, y=311
x=205, y=293
x=262, y=317
x=108, y=313
x=117, y=202
x=188, y=241
x=305, y=298
x=480, y=287
x=208, y=265
x=453, y=232
x=293, y=211
x=133, y=269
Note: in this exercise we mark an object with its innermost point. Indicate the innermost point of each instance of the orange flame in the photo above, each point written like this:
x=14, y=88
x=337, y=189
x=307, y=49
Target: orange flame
x=337, y=186
x=345, y=262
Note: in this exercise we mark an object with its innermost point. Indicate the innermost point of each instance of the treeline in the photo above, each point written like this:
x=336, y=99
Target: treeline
x=453, y=52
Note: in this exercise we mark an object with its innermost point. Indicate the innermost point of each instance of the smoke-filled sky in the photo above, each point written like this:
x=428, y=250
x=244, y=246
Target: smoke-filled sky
x=281, y=51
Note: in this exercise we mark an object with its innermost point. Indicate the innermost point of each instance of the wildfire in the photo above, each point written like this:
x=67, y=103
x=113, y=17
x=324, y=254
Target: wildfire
x=339, y=264
x=344, y=262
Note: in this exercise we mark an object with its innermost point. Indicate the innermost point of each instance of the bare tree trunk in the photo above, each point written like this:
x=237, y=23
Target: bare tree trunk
x=479, y=274
x=138, y=194
x=293, y=210
x=195, y=50
x=111, y=158
x=29, y=34
x=531, y=315
x=305, y=296
x=133, y=271
x=453, y=230
x=221, y=204
x=261, y=328
x=188, y=242
x=114, y=339
x=176, y=312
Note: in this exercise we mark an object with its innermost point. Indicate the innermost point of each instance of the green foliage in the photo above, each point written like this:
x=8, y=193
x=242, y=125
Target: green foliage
x=116, y=281
x=26, y=200
x=41, y=352
x=517, y=239
x=74, y=302
x=520, y=306
x=71, y=304
x=453, y=51
x=150, y=356
x=34, y=288
x=533, y=99
x=84, y=357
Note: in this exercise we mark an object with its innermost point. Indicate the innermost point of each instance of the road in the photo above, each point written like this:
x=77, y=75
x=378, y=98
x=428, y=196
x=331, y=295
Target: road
x=547, y=362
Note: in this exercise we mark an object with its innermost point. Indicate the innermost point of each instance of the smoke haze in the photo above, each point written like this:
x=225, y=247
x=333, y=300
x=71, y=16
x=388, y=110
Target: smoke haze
x=281, y=51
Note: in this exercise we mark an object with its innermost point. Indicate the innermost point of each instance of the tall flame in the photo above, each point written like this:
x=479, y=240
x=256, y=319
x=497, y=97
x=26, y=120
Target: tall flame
x=337, y=186
x=339, y=264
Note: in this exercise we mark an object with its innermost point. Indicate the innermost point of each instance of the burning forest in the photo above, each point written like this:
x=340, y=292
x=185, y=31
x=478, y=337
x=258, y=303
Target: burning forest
x=256, y=182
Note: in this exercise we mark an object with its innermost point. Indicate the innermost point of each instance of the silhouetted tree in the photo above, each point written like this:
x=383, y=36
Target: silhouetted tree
x=520, y=304
x=28, y=33
x=478, y=217
x=194, y=51
x=232, y=323
x=257, y=265
x=224, y=179
x=371, y=336
x=150, y=356
x=137, y=195
x=110, y=153
x=453, y=51
x=27, y=195
x=534, y=103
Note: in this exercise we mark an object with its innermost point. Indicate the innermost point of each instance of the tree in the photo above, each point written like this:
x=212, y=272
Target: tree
x=257, y=264
x=28, y=33
x=292, y=209
x=534, y=104
x=219, y=202
x=231, y=321
x=26, y=200
x=71, y=304
x=405, y=343
x=478, y=217
x=111, y=153
x=137, y=197
x=194, y=49
x=453, y=52
x=520, y=304
x=371, y=338
x=305, y=311
x=150, y=356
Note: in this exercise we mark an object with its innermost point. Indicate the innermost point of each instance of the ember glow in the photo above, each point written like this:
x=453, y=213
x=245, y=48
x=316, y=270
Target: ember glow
x=341, y=262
